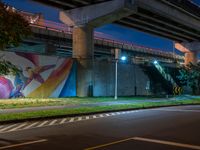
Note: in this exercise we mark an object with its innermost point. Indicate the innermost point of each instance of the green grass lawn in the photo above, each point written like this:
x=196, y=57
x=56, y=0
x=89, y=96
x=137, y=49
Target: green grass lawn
x=93, y=109
x=35, y=102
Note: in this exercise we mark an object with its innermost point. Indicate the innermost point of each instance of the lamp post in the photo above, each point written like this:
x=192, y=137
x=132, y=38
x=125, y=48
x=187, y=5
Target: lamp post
x=117, y=58
x=116, y=61
x=117, y=54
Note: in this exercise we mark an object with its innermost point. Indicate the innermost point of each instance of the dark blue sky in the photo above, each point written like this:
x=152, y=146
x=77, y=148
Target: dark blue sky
x=115, y=31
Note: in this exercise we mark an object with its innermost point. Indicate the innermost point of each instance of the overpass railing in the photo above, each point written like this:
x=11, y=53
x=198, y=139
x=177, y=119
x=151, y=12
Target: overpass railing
x=59, y=27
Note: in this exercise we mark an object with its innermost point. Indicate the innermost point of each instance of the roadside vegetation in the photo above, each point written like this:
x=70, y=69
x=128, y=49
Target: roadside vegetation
x=37, y=102
x=13, y=29
x=190, y=77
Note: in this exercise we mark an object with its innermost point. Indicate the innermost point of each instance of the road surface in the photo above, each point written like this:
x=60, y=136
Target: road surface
x=174, y=128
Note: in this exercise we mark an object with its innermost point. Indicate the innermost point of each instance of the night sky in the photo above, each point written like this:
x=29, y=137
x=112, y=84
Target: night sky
x=115, y=31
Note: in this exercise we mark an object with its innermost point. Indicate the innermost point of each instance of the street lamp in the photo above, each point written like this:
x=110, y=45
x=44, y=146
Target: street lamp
x=155, y=62
x=116, y=61
x=123, y=58
x=117, y=56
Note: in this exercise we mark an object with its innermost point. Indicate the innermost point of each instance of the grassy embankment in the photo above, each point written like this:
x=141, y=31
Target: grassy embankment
x=37, y=102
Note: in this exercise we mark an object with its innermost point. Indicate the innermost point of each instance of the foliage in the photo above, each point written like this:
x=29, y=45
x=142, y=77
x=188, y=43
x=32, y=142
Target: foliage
x=7, y=68
x=190, y=76
x=13, y=27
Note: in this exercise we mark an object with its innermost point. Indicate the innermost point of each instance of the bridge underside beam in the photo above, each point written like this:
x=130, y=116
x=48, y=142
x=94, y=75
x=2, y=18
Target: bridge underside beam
x=98, y=14
x=164, y=20
x=157, y=13
x=70, y=4
x=150, y=29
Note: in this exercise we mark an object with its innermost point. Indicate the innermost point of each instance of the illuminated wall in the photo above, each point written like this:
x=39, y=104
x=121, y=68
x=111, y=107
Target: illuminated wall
x=40, y=76
x=129, y=77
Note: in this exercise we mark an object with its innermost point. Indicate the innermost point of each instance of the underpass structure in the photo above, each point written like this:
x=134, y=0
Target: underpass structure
x=169, y=19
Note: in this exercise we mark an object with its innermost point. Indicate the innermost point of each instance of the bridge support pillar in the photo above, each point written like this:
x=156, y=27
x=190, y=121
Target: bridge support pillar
x=83, y=53
x=191, y=57
x=190, y=50
x=84, y=20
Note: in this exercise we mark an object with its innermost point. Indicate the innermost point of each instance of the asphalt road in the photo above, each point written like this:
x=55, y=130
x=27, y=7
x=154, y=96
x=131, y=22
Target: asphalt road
x=170, y=128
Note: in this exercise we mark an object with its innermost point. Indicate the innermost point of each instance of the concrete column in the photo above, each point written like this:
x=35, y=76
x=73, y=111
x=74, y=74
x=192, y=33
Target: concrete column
x=190, y=50
x=83, y=53
x=191, y=57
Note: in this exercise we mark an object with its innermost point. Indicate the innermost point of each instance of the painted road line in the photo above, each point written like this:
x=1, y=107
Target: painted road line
x=52, y=122
x=79, y=118
x=113, y=114
x=23, y=144
x=94, y=116
x=31, y=125
x=196, y=147
x=108, y=144
x=8, y=127
x=133, y=111
x=42, y=124
x=179, y=110
x=118, y=113
x=71, y=120
x=18, y=127
x=101, y=115
x=63, y=120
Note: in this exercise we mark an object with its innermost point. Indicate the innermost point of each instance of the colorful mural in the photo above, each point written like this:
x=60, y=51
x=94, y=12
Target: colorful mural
x=40, y=76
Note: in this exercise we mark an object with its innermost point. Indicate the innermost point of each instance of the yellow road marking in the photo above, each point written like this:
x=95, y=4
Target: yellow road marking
x=196, y=147
x=108, y=144
x=23, y=144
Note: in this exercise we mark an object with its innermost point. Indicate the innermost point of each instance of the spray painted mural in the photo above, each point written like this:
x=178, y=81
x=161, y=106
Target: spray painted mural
x=40, y=76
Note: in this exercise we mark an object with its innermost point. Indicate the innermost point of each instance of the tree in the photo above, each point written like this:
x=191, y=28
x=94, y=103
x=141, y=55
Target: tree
x=190, y=76
x=13, y=28
x=7, y=68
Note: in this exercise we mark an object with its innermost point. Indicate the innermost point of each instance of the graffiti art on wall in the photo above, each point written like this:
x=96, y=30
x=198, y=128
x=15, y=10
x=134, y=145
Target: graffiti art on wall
x=39, y=76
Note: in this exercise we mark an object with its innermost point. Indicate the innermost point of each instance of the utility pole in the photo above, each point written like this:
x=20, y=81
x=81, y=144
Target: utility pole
x=117, y=55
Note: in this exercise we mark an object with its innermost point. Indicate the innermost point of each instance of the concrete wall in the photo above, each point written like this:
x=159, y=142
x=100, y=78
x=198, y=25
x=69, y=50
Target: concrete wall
x=129, y=76
x=51, y=76
x=40, y=76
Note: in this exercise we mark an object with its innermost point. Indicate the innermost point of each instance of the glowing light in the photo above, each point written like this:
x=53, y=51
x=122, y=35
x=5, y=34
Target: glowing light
x=155, y=62
x=123, y=58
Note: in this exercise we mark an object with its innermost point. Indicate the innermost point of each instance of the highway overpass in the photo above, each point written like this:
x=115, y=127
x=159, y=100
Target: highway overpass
x=178, y=20
x=56, y=39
